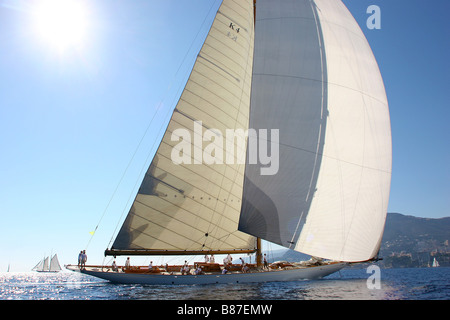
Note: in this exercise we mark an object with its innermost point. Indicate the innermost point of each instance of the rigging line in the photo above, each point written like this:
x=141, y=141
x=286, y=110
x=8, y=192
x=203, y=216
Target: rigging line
x=123, y=175
x=139, y=179
x=145, y=166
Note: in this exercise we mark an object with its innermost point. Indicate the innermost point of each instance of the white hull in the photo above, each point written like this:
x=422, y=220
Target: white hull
x=308, y=273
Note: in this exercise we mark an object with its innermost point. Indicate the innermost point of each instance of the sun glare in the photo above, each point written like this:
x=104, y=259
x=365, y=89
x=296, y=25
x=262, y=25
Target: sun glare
x=62, y=23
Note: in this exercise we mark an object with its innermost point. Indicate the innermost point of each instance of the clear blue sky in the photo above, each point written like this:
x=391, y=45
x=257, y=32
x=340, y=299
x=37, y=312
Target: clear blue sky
x=72, y=117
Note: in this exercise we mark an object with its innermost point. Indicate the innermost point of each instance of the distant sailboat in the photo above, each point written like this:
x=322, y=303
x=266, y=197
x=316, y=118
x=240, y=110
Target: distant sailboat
x=435, y=263
x=304, y=69
x=44, y=266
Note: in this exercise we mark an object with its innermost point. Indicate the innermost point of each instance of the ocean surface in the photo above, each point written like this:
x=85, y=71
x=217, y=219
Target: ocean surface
x=348, y=284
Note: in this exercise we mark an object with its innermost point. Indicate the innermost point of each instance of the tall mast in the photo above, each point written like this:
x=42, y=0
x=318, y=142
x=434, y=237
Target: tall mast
x=258, y=239
x=258, y=253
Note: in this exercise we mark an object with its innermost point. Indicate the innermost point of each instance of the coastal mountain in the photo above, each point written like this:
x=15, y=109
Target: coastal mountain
x=407, y=242
x=414, y=242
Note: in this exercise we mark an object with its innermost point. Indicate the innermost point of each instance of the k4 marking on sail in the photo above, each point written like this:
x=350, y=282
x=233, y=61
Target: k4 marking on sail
x=218, y=152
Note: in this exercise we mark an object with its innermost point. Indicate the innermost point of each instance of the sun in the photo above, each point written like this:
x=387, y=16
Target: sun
x=62, y=23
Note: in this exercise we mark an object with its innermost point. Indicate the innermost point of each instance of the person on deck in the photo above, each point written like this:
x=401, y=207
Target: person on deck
x=114, y=266
x=199, y=270
x=83, y=260
x=80, y=258
x=229, y=259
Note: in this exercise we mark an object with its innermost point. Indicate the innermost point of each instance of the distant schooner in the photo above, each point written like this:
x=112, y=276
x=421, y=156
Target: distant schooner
x=44, y=266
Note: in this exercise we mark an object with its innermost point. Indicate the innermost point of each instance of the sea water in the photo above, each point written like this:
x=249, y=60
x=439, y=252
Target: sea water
x=348, y=284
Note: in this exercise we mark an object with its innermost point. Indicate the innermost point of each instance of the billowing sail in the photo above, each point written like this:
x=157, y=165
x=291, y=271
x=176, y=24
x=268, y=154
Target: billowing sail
x=190, y=198
x=316, y=80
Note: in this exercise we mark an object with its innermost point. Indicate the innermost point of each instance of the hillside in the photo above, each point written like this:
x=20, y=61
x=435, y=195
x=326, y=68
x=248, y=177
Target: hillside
x=413, y=242
x=407, y=242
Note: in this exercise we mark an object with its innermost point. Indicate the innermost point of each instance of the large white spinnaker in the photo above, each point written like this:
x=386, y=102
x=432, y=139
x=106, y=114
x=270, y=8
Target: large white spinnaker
x=316, y=80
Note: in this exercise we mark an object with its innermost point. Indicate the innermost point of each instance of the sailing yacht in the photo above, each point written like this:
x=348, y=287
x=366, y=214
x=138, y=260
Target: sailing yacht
x=304, y=72
x=435, y=263
x=44, y=266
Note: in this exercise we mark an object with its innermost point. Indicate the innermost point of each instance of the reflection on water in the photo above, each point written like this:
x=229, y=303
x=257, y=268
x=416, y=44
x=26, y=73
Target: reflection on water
x=349, y=284
x=297, y=290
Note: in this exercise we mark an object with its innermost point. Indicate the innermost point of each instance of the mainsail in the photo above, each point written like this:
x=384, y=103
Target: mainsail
x=304, y=68
x=192, y=206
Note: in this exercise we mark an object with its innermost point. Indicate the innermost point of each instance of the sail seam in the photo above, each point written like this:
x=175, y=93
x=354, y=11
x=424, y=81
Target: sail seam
x=219, y=67
x=213, y=80
x=219, y=40
x=238, y=3
x=173, y=219
x=221, y=173
x=193, y=119
x=224, y=110
x=209, y=114
x=192, y=199
x=329, y=83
